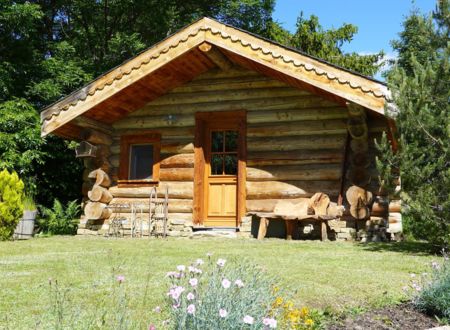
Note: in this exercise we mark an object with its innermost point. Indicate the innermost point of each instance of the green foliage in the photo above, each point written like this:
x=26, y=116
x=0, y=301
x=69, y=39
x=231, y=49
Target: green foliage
x=11, y=207
x=434, y=296
x=312, y=39
x=387, y=165
x=60, y=220
x=20, y=139
x=28, y=203
x=421, y=91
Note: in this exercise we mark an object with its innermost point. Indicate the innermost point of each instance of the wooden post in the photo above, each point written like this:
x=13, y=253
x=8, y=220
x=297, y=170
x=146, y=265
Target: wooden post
x=290, y=226
x=263, y=224
x=323, y=230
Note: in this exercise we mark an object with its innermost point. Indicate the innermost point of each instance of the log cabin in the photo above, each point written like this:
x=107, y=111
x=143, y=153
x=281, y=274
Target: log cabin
x=232, y=125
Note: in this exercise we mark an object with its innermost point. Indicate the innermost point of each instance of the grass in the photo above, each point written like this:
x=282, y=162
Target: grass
x=337, y=276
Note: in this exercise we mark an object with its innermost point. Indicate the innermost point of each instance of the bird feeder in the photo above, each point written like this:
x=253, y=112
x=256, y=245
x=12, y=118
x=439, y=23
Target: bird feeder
x=85, y=149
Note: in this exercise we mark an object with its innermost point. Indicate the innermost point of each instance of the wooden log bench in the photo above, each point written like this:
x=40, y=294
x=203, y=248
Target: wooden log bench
x=289, y=220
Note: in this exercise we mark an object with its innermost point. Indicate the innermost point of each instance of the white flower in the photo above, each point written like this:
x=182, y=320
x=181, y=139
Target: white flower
x=412, y=275
x=157, y=309
x=191, y=309
x=226, y=283
x=435, y=265
x=270, y=322
x=209, y=254
x=248, y=319
x=181, y=268
x=239, y=283
x=194, y=270
x=221, y=262
x=190, y=296
x=193, y=282
x=199, y=262
x=223, y=313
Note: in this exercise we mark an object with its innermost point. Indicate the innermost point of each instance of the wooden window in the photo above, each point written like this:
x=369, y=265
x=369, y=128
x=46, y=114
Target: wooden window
x=139, y=159
x=224, y=152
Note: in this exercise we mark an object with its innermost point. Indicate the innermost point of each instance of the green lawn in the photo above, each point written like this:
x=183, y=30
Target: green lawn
x=335, y=275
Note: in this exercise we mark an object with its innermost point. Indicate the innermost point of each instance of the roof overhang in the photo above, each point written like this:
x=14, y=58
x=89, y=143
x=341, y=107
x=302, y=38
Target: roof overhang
x=180, y=58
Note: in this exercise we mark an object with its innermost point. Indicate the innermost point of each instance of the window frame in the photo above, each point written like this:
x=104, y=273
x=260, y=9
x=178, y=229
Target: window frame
x=126, y=141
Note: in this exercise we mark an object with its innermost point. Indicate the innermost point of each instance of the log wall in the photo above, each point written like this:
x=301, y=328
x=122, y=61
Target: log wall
x=295, y=140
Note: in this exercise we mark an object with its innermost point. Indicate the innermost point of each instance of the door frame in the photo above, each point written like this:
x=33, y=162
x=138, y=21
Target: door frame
x=202, y=126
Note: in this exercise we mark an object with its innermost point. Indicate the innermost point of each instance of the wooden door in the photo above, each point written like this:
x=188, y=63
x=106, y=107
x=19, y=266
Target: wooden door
x=221, y=176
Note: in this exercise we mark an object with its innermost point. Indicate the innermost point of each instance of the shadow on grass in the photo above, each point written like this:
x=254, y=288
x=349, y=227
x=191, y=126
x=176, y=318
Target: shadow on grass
x=415, y=248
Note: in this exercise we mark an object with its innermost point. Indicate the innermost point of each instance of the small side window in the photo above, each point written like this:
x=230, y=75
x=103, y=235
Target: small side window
x=139, y=159
x=141, y=162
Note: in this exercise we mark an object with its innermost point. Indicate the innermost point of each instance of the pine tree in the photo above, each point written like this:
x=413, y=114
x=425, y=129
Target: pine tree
x=420, y=85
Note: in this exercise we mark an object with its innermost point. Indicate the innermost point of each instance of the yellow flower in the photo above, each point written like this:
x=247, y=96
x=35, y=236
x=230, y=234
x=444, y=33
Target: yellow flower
x=289, y=304
x=276, y=289
x=278, y=301
x=309, y=322
x=304, y=311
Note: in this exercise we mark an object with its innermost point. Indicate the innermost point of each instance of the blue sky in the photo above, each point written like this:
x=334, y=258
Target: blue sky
x=378, y=21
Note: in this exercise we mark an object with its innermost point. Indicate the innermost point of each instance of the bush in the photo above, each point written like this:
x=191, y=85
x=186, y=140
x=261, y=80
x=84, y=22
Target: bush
x=218, y=295
x=60, y=220
x=11, y=207
x=433, y=295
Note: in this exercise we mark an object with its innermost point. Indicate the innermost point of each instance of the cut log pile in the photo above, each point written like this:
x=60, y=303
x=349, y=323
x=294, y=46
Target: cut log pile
x=99, y=196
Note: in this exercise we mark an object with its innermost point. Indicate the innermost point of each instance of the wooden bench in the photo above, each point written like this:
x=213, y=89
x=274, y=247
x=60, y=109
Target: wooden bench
x=289, y=222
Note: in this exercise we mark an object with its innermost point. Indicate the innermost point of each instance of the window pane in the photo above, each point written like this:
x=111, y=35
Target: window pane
x=231, y=141
x=217, y=141
x=231, y=164
x=141, y=161
x=217, y=164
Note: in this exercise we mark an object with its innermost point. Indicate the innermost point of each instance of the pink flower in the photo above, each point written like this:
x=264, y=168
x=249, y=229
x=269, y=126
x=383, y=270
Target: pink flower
x=435, y=265
x=226, y=283
x=190, y=296
x=120, y=278
x=175, y=306
x=223, y=313
x=157, y=309
x=181, y=268
x=270, y=322
x=191, y=309
x=151, y=327
x=199, y=262
x=193, y=282
x=248, y=319
x=172, y=274
x=221, y=262
x=239, y=283
x=176, y=292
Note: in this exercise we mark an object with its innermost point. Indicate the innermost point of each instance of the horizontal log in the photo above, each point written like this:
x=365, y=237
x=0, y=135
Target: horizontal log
x=290, y=189
x=322, y=127
x=176, y=174
x=268, y=205
x=177, y=161
x=96, y=211
x=260, y=104
x=227, y=84
x=165, y=132
x=286, y=143
x=302, y=156
x=168, y=146
x=99, y=194
x=295, y=115
x=182, y=190
x=291, y=172
x=174, y=205
x=205, y=97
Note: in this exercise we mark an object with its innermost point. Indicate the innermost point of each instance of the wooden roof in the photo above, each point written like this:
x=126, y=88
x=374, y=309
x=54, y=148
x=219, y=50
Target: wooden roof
x=191, y=51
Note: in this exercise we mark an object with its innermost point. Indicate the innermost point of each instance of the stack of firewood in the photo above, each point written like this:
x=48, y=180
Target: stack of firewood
x=99, y=196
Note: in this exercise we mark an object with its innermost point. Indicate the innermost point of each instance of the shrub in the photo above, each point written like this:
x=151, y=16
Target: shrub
x=60, y=220
x=433, y=295
x=221, y=295
x=11, y=207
